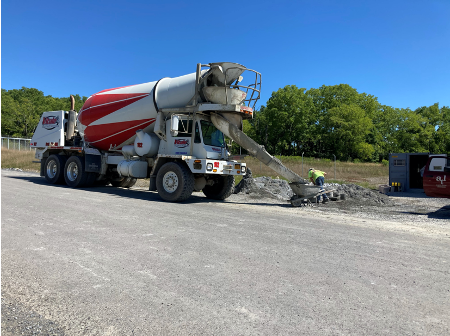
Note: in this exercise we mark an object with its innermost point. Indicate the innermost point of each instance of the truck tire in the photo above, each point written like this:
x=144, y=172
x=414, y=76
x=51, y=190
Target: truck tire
x=74, y=172
x=221, y=189
x=174, y=182
x=54, y=169
x=125, y=182
x=131, y=182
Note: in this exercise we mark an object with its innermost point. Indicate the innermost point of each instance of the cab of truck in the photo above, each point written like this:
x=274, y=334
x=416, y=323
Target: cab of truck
x=436, y=177
x=208, y=141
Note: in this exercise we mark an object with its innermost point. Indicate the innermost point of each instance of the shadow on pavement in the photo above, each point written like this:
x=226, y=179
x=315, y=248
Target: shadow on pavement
x=442, y=213
x=417, y=194
x=138, y=194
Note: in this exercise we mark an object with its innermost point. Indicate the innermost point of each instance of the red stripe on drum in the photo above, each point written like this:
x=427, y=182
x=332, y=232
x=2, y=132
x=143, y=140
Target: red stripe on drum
x=111, y=135
x=99, y=106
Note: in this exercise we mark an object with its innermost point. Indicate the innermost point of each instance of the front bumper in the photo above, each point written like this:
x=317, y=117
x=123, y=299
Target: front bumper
x=216, y=167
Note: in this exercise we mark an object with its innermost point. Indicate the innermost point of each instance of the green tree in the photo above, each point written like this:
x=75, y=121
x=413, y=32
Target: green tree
x=9, y=112
x=414, y=133
x=385, y=122
x=442, y=135
x=347, y=127
x=284, y=124
x=22, y=109
x=327, y=98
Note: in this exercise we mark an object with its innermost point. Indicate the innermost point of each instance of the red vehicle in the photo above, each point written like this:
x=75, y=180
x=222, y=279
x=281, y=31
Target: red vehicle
x=436, y=177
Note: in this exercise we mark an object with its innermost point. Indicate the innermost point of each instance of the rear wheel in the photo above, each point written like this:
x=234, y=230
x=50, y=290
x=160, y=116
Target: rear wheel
x=222, y=188
x=74, y=172
x=174, y=182
x=54, y=169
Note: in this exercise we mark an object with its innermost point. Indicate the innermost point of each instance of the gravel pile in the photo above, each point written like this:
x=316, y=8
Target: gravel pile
x=266, y=187
x=359, y=201
x=263, y=187
x=360, y=194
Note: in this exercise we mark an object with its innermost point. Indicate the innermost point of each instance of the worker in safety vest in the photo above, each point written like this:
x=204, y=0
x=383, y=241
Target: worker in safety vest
x=317, y=177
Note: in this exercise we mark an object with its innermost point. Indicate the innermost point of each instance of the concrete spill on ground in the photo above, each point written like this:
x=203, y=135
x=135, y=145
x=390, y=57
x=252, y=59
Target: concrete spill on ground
x=266, y=187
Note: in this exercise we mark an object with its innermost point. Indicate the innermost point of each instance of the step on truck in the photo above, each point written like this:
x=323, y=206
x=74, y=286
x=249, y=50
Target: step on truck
x=170, y=131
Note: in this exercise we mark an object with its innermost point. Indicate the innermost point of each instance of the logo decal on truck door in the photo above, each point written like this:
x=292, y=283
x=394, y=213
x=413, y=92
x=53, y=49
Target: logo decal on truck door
x=50, y=123
x=181, y=143
x=439, y=179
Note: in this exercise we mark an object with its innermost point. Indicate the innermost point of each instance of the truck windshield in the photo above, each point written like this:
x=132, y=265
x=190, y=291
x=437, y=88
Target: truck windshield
x=211, y=135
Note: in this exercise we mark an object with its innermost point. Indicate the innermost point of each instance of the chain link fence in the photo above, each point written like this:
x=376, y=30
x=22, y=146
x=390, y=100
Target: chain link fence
x=16, y=143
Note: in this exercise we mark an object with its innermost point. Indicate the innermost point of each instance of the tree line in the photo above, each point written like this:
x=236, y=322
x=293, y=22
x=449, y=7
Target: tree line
x=22, y=110
x=330, y=120
x=337, y=120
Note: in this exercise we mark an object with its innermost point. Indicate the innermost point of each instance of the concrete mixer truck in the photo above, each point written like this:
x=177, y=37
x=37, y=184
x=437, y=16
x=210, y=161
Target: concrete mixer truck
x=170, y=131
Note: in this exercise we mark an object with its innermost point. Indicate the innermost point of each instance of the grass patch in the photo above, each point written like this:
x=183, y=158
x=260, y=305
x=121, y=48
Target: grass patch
x=368, y=175
x=19, y=159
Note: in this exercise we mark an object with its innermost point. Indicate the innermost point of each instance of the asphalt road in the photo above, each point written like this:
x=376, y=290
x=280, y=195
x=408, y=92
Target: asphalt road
x=108, y=261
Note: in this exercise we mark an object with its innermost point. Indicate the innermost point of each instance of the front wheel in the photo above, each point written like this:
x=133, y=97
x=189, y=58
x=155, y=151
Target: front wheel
x=174, y=182
x=222, y=188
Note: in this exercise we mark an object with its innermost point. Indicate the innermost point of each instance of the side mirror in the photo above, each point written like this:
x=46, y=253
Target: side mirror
x=174, y=125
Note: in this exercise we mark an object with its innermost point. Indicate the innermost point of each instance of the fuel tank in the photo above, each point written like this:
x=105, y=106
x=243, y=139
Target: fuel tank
x=110, y=118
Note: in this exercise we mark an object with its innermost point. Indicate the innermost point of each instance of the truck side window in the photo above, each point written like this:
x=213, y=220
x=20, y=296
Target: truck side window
x=437, y=164
x=197, y=138
x=183, y=131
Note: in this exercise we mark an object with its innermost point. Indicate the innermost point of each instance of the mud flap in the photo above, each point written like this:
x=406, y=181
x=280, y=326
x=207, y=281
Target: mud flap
x=93, y=163
x=152, y=186
x=43, y=166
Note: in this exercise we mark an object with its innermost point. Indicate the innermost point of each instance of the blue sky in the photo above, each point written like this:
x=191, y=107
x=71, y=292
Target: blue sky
x=398, y=51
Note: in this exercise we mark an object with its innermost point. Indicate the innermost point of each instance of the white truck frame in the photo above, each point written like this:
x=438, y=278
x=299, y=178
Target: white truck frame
x=177, y=160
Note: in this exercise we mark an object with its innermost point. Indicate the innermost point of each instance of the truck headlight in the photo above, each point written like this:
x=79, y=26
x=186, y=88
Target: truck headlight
x=243, y=169
x=209, y=166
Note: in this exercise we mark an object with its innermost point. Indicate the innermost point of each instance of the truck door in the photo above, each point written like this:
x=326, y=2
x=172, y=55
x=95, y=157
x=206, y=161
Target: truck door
x=436, y=177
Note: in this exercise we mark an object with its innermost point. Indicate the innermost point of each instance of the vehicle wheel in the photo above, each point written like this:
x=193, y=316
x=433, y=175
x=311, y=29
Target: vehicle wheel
x=74, y=173
x=131, y=182
x=124, y=182
x=174, y=182
x=221, y=189
x=54, y=169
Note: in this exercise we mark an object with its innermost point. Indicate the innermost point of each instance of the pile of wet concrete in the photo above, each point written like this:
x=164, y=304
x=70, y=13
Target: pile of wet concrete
x=263, y=187
x=266, y=187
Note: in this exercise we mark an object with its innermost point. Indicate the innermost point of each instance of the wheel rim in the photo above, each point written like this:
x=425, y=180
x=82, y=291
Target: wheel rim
x=170, y=182
x=52, y=168
x=72, y=171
